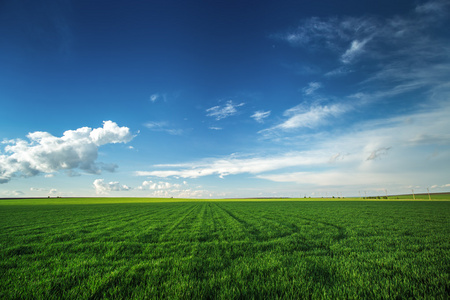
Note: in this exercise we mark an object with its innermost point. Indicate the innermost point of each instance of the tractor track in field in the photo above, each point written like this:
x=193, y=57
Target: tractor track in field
x=177, y=223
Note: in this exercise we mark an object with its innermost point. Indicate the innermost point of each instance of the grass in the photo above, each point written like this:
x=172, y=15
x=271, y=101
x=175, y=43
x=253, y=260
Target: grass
x=153, y=248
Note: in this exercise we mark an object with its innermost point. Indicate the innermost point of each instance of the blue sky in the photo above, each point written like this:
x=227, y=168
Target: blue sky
x=216, y=99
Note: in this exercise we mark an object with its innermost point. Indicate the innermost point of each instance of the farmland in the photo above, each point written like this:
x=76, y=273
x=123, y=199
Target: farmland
x=155, y=248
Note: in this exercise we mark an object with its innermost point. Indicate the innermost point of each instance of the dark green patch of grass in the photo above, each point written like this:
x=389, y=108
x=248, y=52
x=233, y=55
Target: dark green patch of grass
x=226, y=250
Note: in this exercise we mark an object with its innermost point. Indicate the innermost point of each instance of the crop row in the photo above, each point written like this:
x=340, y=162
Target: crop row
x=225, y=250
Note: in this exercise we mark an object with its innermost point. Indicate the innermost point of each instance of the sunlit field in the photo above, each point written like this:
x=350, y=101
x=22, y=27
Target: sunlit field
x=177, y=248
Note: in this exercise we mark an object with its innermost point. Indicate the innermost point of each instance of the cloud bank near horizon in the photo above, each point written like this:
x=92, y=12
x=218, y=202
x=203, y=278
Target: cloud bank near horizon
x=370, y=153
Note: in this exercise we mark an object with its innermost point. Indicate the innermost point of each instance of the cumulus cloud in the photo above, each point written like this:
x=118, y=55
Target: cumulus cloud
x=221, y=112
x=110, y=133
x=45, y=153
x=184, y=193
x=150, y=185
x=167, y=189
x=102, y=187
x=260, y=115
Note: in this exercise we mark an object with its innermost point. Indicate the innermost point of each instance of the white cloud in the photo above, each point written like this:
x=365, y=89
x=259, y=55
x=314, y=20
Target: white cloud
x=102, y=187
x=355, y=49
x=186, y=193
x=340, y=71
x=350, y=37
x=110, y=133
x=232, y=165
x=45, y=153
x=161, y=185
x=163, y=127
x=221, y=112
x=260, y=115
x=215, y=128
x=372, y=153
x=332, y=33
x=311, y=88
x=154, y=97
x=167, y=189
x=312, y=117
x=163, y=96
x=15, y=193
x=335, y=178
x=368, y=145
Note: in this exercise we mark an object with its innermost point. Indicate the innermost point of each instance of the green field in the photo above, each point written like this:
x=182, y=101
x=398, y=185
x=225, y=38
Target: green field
x=191, y=249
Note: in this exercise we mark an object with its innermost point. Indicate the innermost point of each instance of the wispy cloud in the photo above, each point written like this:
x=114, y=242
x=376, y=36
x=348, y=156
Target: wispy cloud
x=347, y=179
x=221, y=112
x=154, y=97
x=232, y=165
x=164, y=97
x=413, y=59
x=350, y=37
x=355, y=49
x=15, y=193
x=45, y=153
x=331, y=33
x=163, y=126
x=340, y=71
x=308, y=117
x=362, y=156
x=260, y=115
x=433, y=7
x=311, y=88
